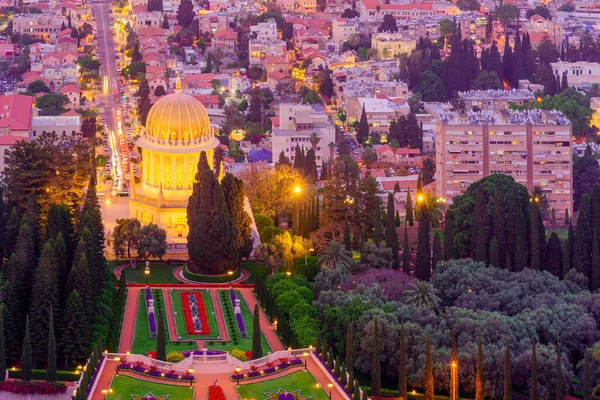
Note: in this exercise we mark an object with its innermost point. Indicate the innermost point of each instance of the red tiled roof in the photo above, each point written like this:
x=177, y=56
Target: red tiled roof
x=389, y=185
x=372, y=5
x=208, y=99
x=71, y=113
x=70, y=88
x=65, y=32
x=226, y=34
x=275, y=121
x=9, y=139
x=17, y=110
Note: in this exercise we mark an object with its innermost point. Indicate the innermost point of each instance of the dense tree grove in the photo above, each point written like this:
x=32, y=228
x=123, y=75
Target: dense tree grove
x=219, y=226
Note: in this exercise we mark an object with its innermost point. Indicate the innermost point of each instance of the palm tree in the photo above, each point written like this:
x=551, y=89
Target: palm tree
x=331, y=146
x=336, y=256
x=422, y=294
x=394, y=145
x=314, y=141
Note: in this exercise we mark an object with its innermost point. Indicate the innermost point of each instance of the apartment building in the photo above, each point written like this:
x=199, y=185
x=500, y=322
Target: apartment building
x=265, y=31
x=296, y=124
x=42, y=26
x=266, y=43
x=495, y=100
x=342, y=29
x=533, y=146
x=580, y=75
x=374, y=10
x=390, y=45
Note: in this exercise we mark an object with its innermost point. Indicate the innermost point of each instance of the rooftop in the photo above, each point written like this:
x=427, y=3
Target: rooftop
x=503, y=117
x=514, y=94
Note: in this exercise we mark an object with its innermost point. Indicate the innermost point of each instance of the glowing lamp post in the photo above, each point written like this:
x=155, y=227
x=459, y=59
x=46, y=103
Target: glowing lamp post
x=330, y=386
x=106, y=392
x=237, y=371
x=147, y=272
x=118, y=360
x=305, y=355
x=454, y=381
x=191, y=371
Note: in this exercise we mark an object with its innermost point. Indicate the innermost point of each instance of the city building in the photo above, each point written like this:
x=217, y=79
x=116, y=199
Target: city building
x=61, y=125
x=225, y=40
x=342, y=29
x=296, y=124
x=390, y=45
x=495, y=100
x=580, y=75
x=265, y=31
x=380, y=112
x=533, y=146
x=374, y=10
x=42, y=26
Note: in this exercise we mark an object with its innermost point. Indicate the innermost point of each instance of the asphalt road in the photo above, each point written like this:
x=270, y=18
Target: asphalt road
x=106, y=53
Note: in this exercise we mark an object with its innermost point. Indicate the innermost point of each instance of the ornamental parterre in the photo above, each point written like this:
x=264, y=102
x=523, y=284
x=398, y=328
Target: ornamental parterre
x=196, y=322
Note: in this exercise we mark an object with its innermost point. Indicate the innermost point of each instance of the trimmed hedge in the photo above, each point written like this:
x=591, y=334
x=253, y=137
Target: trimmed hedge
x=40, y=375
x=211, y=278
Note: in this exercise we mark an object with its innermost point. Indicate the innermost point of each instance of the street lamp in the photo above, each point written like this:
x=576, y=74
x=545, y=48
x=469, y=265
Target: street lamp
x=305, y=355
x=118, y=360
x=191, y=371
x=237, y=371
x=288, y=273
x=330, y=385
x=454, y=381
x=106, y=392
x=147, y=271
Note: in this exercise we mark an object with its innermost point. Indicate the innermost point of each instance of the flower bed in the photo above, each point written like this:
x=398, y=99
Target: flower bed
x=200, y=353
x=154, y=371
x=196, y=322
x=150, y=312
x=332, y=374
x=215, y=393
x=35, y=387
x=238, y=314
x=271, y=368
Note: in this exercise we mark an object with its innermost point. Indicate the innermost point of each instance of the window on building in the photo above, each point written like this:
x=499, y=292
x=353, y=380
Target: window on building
x=145, y=217
x=169, y=222
x=181, y=220
x=179, y=175
x=167, y=174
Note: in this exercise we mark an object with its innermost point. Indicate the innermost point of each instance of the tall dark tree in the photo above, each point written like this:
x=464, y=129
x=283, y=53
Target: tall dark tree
x=75, y=334
x=347, y=239
x=423, y=263
x=185, y=13
x=518, y=70
x=429, y=391
x=436, y=255
x=363, y=127
x=402, y=378
x=45, y=296
x=406, y=253
x=256, y=335
x=235, y=195
x=564, y=84
x=161, y=339
x=449, y=236
x=507, y=61
x=499, y=219
x=391, y=235
x=594, y=282
x=376, y=364
x=535, y=262
x=494, y=256
x=409, y=209
x=481, y=248
x=559, y=378
x=587, y=383
x=79, y=279
x=13, y=225
x=521, y=251
x=554, y=260
x=51, y=361
x=26, y=361
x=21, y=276
x=388, y=24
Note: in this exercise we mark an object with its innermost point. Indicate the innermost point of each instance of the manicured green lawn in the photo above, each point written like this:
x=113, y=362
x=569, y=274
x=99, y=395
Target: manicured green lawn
x=243, y=343
x=301, y=380
x=255, y=270
x=142, y=342
x=180, y=318
x=124, y=387
x=159, y=273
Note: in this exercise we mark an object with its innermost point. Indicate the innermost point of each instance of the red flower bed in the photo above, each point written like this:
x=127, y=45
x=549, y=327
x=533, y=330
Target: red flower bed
x=37, y=387
x=215, y=393
x=187, y=314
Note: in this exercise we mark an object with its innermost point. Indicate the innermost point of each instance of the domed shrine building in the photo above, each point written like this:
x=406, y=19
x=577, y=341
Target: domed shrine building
x=177, y=130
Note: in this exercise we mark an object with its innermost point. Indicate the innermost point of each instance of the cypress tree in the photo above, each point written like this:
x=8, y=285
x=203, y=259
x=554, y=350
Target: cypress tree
x=79, y=279
x=419, y=186
x=349, y=360
x=21, y=278
x=350, y=382
x=402, y=381
x=45, y=297
x=449, y=236
x=409, y=209
x=2, y=346
x=595, y=268
x=587, y=384
x=553, y=217
x=347, y=239
x=535, y=237
x=356, y=395
x=365, y=396
x=481, y=248
x=391, y=235
x=521, y=253
x=363, y=130
x=337, y=370
x=534, y=383
x=559, y=378
x=507, y=372
x=343, y=379
x=479, y=372
x=161, y=341
x=235, y=194
x=256, y=342
x=397, y=219
x=330, y=358
x=567, y=221
x=51, y=364
x=494, y=255
x=566, y=263
x=437, y=250
x=13, y=225
x=511, y=229
x=406, y=253
x=429, y=393
x=26, y=361
x=571, y=244
x=377, y=233
x=423, y=264
x=499, y=218
x=318, y=345
x=376, y=364
x=564, y=84
x=555, y=256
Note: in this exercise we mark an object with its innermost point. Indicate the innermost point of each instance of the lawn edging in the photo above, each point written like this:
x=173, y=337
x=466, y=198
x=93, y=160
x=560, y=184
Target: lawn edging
x=199, y=278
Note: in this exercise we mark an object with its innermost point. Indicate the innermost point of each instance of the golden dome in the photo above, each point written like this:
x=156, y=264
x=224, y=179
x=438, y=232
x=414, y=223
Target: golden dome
x=178, y=116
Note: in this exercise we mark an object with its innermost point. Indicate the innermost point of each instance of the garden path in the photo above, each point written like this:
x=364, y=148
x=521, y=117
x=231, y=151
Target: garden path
x=219, y=313
x=126, y=341
x=178, y=274
x=265, y=325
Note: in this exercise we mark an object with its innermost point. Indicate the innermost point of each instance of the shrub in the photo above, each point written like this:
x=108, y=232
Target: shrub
x=175, y=357
x=239, y=354
x=35, y=387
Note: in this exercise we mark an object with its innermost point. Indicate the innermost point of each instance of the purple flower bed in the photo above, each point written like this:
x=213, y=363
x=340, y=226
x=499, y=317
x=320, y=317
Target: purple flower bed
x=238, y=316
x=253, y=374
x=240, y=322
x=237, y=376
x=151, y=317
x=269, y=370
x=283, y=365
x=334, y=376
x=199, y=353
x=296, y=362
x=145, y=370
x=95, y=374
